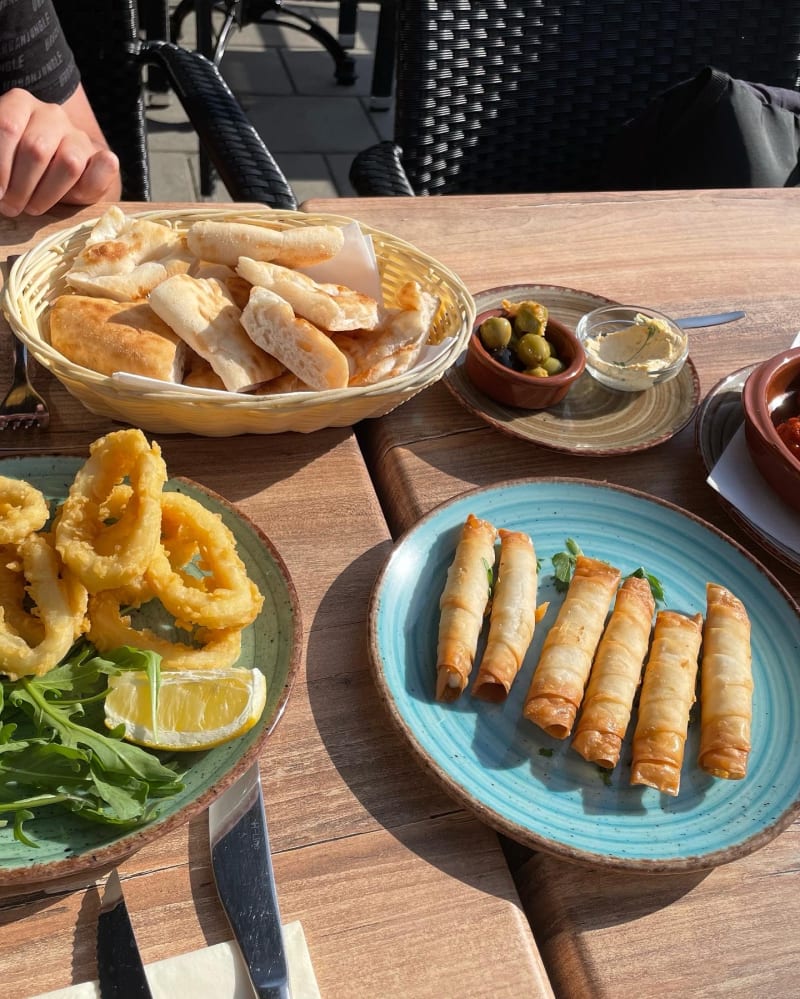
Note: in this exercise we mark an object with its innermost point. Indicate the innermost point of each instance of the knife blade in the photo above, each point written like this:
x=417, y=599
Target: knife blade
x=717, y=319
x=119, y=964
x=240, y=858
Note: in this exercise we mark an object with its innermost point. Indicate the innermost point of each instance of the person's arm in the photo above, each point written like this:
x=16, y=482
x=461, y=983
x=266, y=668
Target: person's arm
x=51, y=153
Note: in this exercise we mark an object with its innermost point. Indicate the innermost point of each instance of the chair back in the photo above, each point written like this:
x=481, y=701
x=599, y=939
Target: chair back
x=522, y=95
x=101, y=34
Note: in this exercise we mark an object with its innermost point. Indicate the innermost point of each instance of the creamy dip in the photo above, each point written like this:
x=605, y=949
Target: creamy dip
x=631, y=355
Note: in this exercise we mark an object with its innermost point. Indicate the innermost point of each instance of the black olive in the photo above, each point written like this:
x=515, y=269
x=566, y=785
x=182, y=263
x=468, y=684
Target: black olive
x=505, y=357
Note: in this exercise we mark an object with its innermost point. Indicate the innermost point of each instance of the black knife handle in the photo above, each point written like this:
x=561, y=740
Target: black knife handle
x=119, y=966
x=256, y=923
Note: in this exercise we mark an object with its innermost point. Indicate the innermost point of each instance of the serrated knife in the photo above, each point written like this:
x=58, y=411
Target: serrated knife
x=240, y=859
x=119, y=964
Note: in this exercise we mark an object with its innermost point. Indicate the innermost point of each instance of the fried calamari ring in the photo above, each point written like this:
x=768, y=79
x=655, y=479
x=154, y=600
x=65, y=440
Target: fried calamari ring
x=60, y=602
x=15, y=616
x=23, y=510
x=106, y=556
x=224, y=597
x=110, y=629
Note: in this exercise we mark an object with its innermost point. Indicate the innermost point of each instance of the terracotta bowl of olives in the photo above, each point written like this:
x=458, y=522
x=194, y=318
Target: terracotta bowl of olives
x=519, y=356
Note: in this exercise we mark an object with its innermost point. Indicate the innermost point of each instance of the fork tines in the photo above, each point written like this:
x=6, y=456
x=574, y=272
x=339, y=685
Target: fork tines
x=25, y=421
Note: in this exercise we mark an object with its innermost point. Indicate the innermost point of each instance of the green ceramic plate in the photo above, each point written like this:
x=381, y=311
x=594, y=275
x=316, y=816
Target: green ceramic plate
x=68, y=845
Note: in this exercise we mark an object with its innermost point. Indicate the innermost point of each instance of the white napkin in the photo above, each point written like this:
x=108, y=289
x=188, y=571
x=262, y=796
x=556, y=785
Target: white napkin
x=355, y=265
x=736, y=477
x=218, y=971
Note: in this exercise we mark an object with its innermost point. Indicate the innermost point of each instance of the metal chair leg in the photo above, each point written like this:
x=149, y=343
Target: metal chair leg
x=383, y=67
x=348, y=14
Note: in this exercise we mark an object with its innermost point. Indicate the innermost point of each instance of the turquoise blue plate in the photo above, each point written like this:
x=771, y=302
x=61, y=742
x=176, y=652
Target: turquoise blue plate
x=69, y=846
x=536, y=789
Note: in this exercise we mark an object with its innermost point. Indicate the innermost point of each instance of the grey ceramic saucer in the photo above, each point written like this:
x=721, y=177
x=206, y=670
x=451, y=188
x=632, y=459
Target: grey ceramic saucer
x=592, y=420
x=718, y=419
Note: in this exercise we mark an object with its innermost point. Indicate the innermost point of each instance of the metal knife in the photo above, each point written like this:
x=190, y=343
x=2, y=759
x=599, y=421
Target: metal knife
x=240, y=858
x=119, y=964
x=718, y=319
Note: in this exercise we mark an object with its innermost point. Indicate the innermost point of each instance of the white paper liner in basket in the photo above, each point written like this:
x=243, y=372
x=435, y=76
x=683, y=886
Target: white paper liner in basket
x=38, y=277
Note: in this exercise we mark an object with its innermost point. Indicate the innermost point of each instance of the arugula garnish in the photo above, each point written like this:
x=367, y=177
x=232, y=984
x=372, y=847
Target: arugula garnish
x=564, y=568
x=564, y=564
x=489, y=576
x=656, y=586
x=55, y=749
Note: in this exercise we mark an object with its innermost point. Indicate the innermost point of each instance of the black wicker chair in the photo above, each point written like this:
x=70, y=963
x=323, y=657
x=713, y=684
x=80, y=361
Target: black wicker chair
x=523, y=95
x=111, y=55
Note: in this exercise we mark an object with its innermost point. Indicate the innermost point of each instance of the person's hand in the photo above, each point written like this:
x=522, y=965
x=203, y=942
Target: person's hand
x=46, y=157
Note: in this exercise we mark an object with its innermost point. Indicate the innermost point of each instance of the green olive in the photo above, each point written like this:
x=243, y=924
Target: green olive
x=538, y=372
x=533, y=350
x=495, y=332
x=530, y=317
x=553, y=365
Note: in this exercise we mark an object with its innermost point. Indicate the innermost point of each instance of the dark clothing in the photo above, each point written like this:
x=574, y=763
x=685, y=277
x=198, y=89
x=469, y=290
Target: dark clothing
x=34, y=54
x=710, y=131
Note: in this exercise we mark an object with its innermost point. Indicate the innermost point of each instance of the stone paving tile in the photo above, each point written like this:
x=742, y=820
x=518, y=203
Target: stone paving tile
x=311, y=175
x=313, y=72
x=311, y=124
x=255, y=72
x=339, y=164
x=172, y=177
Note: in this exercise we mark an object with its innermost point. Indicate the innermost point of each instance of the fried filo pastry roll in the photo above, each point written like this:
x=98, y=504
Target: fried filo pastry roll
x=559, y=681
x=668, y=692
x=513, y=617
x=463, y=606
x=616, y=674
x=726, y=686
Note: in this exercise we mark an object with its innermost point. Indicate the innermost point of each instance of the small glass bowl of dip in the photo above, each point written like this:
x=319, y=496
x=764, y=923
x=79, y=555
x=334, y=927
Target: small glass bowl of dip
x=630, y=347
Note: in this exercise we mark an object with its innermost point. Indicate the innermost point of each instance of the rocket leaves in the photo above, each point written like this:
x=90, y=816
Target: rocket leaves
x=56, y=750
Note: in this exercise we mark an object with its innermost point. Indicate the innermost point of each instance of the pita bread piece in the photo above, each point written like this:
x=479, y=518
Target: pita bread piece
x=117, y=244
x=395, y=345
x=298, y=344
x=225, y=242
x=237, y=287
x=108, y=336
x=200, y=374
x=287, y=382
x=202, y=313
x=332, y=307
x=133, y=286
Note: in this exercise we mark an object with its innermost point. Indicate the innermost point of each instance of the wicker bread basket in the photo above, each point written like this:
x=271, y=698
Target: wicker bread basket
x=37, y=278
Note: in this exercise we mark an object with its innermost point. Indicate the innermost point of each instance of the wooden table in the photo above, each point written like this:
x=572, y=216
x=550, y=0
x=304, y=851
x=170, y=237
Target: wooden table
x=729, y=931
x=400, y=893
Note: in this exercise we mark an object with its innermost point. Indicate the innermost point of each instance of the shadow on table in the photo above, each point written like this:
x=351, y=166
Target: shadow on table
x=370, y=755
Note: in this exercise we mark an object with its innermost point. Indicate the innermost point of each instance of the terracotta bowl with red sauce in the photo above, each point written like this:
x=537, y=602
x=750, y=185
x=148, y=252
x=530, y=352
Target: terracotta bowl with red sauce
x=771, y=403
x=516, y=388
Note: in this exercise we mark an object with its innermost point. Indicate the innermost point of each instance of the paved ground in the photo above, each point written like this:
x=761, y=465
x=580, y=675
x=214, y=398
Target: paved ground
x=284, y=79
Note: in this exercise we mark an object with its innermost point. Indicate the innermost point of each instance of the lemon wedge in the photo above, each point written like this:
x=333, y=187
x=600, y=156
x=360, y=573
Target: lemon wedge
x=197, y=709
